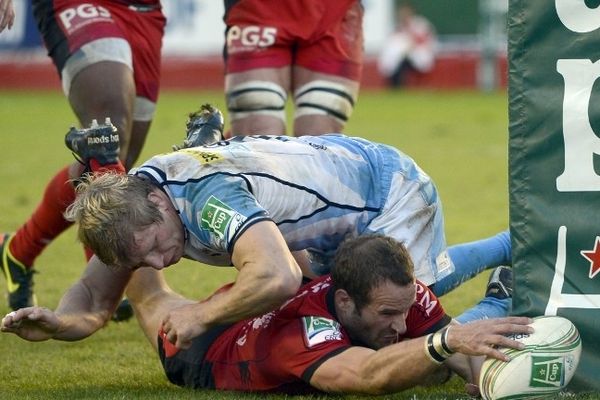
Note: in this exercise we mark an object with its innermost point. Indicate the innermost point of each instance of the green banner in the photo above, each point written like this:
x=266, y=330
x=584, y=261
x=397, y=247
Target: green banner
x=554, y=150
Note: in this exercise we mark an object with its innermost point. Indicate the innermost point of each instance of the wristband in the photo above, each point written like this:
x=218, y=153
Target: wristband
x=436, y=346
x=445, y=341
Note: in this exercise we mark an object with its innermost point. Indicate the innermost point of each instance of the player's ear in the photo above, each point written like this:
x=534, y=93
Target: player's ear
x=158, y=198
x=343, y=301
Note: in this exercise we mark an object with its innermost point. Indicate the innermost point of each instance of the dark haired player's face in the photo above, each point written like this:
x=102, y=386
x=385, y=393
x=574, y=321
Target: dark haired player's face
x=383, y=320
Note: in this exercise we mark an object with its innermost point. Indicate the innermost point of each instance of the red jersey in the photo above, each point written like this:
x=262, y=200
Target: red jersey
x=279, y=351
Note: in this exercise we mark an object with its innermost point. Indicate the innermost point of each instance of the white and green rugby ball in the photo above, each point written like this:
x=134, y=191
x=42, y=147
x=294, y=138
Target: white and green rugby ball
x=544, y=367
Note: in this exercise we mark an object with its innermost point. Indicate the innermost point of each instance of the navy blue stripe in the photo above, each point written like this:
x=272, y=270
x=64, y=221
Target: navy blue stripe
x=160, y=172
x=336, y=114
x=260, y=174
x=237, y=109
x=336, y=92
x=310, y=370
x=314, y=192
x=244, y=229
x=236, y=93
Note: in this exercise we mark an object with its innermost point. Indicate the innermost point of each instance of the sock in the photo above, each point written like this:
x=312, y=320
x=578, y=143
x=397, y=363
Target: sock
x=46, y=222
x=488, y=307
x=96, y=167
x=471, y=258
x=88, y=253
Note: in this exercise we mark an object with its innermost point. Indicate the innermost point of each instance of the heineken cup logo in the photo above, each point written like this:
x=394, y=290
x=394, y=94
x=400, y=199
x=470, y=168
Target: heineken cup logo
x=320, y=329
x=216, y=216
x=547, y=372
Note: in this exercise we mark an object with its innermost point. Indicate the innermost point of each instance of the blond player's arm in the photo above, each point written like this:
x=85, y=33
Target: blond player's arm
x=268, y=276
x=86, y=307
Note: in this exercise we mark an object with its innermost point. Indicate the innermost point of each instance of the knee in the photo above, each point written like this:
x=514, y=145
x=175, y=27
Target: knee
x=256, y=98
x=322, y=97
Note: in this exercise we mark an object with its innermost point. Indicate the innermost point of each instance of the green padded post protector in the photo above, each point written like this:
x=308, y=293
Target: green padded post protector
x=554, y=167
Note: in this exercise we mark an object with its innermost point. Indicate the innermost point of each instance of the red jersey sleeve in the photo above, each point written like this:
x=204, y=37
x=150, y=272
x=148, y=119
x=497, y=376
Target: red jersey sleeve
x=306, y=344
x=426, y=315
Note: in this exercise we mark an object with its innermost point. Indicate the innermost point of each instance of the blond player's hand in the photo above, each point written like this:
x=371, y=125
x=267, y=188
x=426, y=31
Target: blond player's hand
x=32, y=323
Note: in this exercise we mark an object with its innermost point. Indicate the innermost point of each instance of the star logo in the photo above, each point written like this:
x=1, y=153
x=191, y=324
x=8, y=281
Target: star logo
x=593, y=256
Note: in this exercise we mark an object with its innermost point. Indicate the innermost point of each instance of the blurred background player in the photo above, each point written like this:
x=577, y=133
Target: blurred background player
x=107, y=54
x=309, y=49
x=411, y=47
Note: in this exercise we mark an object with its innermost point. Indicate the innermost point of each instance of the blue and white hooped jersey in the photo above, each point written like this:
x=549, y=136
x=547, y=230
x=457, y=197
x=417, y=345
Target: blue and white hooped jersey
x=317, y=189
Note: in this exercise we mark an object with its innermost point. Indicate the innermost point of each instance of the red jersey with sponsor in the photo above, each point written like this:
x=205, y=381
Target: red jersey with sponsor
x=279, y=351
x=323, y=36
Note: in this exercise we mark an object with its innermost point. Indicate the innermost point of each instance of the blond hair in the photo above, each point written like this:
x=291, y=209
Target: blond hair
x=109, y=208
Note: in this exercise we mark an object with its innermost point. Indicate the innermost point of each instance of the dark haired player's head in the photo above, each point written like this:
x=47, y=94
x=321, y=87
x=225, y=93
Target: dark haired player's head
x=374, y=289
x=364, y=262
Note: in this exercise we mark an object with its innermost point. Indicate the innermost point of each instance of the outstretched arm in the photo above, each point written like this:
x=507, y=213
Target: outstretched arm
x=268, y=276
x=84, y=308
x=406, y=364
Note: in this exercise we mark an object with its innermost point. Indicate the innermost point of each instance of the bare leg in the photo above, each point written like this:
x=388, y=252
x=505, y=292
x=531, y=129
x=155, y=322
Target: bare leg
x=105, y=89
x=100, y=90
x=139, y=132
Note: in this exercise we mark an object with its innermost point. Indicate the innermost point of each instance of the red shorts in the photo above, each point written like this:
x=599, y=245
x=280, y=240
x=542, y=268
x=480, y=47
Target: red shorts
x=321, y=35
x=66, y=25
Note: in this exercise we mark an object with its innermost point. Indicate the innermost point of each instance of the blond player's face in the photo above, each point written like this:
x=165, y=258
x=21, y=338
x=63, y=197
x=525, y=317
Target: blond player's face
x=160, y=244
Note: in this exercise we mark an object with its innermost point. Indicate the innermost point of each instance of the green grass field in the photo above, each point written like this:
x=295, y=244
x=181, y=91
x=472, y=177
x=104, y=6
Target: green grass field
x=459, y=138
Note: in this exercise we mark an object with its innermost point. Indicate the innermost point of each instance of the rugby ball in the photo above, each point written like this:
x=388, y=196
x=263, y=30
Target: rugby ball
x=543, y=368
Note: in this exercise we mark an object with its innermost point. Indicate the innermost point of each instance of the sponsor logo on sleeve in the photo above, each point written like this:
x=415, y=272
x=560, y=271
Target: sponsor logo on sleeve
x=424, y=299
x=217, y=217
x=319, y=330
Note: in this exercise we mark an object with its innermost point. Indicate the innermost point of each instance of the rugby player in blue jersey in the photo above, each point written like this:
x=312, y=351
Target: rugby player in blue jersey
x=274, y=207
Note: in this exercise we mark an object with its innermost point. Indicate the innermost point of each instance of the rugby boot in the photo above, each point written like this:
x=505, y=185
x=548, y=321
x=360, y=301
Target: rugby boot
x=500, y=284
x=203, y=127
x=99, y=142
x=19, y=279
x=123, y=312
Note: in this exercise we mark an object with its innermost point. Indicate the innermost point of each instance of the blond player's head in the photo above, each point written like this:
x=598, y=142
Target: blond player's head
x=109, y=209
